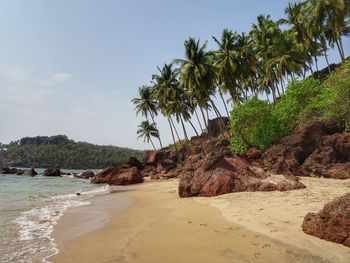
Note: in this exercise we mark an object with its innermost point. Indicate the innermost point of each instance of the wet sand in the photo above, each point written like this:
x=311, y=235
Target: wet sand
x=158, y=226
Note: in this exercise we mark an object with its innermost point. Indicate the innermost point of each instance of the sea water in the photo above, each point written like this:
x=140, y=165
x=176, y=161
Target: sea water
x=29, y=209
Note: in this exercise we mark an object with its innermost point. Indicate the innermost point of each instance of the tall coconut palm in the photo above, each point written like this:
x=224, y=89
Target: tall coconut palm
x=165, y=83
x=264, y=35
x=225, y=63
x=146, y=105
x=146, y=131
x=197, y=75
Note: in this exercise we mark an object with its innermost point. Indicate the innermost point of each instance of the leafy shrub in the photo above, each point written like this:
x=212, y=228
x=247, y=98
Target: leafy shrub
x=259, y=124
x=250, y=126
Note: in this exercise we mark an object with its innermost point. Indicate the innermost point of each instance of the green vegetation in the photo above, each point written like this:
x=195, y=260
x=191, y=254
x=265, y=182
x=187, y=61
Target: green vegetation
x=59, y=151
x=257, y=123
x=259, y=64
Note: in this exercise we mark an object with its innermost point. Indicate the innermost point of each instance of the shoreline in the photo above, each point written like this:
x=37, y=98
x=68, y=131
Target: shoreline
x=158, y=226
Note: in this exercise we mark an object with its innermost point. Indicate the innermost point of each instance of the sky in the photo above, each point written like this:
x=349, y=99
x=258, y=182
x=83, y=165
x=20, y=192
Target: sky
x=72, y=67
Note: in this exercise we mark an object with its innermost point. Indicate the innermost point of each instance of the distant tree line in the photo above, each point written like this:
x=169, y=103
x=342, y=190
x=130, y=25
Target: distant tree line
x=59, y=151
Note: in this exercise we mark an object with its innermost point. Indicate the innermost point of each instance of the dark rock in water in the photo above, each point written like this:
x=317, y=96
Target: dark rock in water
x=321, y=149
x=20, y=172
x=216, y=175
x=129, y=173
x=30, y=172
x=78, y=194
x=52, y=172
x=7, y=170
x=85, y=175
x=332, y=223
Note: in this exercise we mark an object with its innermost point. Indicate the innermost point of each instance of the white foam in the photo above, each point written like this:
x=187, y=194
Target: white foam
x=36, y=225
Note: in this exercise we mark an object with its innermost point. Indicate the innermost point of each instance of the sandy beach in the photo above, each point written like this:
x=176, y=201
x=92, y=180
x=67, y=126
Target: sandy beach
x=150, y=223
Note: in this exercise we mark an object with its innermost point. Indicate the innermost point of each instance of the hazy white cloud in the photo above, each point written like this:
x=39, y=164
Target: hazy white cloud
x=28, y=88
x=60, y=77
x=16, y=74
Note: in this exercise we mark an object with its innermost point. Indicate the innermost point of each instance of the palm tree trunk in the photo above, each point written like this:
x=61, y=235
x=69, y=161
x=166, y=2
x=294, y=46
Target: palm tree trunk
x=152, y=144
x=160, y=141
x=219, y=116
x=172, y=133
x=200, y=125
x=341, y=47
x=183, y=128
x=177, y=134
x=315, y=57
x=195, y=130
x=205, y=122
x=207, y=111
x=282, y=85
x=340, y=51
x=223, y=101
x=310, y=67
x=326, y=57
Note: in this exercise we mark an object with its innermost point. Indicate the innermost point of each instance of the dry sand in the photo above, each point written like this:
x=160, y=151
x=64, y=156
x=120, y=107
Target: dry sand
x=161, y=227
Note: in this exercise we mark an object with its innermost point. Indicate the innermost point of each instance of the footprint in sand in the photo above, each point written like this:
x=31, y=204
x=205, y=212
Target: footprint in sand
x=203, y=224
x=269, y=224
x=266, y=245
x=190, y=222
x=256, y=254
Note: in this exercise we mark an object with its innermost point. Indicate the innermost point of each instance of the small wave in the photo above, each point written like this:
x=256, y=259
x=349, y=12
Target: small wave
x=36, y=225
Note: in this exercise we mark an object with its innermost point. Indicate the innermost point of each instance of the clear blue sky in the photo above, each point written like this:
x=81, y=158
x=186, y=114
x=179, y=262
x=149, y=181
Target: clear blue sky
x=71, y=67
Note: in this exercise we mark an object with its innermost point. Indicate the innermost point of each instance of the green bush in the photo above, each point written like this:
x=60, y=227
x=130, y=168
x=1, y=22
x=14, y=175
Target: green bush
x=250, y=126
x=259, y=124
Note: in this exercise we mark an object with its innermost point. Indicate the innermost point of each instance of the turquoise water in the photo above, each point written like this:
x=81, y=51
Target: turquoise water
x=29, y=209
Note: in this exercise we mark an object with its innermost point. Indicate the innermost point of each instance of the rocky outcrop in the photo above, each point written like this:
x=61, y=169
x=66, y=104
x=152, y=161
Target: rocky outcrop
x=216, y=175
x=332, y=223
x=8, y=170
x=30, y=172
x=129, y=173
x=321, y=149
x=52, y=172
x=85, y=175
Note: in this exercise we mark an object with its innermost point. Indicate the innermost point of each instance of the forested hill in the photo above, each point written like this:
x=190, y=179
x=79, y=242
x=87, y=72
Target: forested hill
x=59, y=151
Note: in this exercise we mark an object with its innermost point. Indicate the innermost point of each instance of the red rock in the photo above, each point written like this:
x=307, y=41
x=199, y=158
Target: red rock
x=150, y=158
x=85, y=175
x=165, y=165
x=320, y=149
x=332, y=223
x=129, y=173
x=253, y=154
x=30, y=172
x=218, y=175
x=52, y=172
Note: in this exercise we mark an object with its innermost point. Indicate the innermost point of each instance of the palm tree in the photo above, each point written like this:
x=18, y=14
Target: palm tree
x=164, y=85
x=264, y=35
x=146, y=131
x=146, y=105
x=225, y=63
x=197, y=75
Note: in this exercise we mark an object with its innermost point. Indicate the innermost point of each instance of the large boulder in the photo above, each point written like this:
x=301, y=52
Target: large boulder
x=321, y=149
x=85, y=175
x=216, y=175
x=332, y=223
x=129, y=173
x=7, y=170
x=52, y=172
x=30, y=172
x=217, y=126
